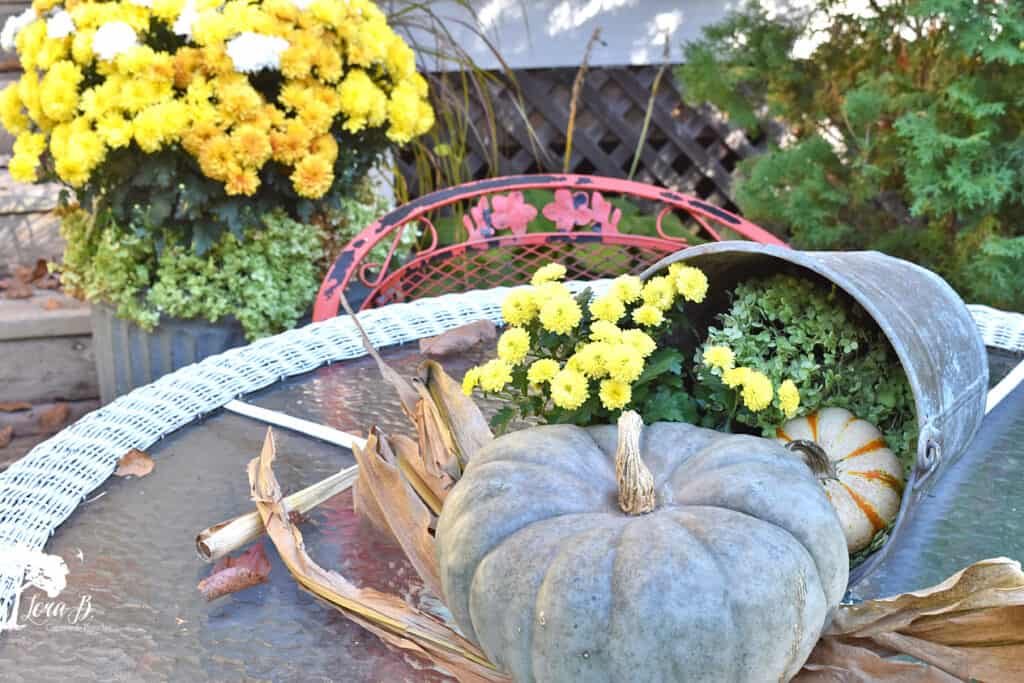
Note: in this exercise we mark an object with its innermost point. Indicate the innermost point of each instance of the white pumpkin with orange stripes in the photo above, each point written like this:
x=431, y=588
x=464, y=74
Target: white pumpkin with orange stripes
x=861, y=476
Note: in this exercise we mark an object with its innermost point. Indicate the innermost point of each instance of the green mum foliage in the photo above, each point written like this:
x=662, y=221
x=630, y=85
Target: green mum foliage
x=792, y=328
x=902, y=130
x=266, y=278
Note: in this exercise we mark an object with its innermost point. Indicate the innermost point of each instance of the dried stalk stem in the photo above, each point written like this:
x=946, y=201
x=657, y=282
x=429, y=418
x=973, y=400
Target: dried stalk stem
x=228, y=536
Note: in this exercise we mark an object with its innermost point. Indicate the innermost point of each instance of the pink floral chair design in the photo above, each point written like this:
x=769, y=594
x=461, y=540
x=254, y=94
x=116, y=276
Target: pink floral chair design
x=500, y=249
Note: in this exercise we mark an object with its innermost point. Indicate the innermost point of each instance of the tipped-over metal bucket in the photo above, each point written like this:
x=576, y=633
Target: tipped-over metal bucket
x=928, y=325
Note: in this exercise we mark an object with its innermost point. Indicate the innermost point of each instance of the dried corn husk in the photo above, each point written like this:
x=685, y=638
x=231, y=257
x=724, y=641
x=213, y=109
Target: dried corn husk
x=389, y=617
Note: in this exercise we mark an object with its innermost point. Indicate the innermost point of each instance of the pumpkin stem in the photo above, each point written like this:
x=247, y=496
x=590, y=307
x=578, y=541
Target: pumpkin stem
x=636, y=483
x=815, y=457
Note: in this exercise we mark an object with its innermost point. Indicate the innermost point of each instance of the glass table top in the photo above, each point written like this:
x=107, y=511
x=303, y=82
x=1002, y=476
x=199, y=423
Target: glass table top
x=132, y=611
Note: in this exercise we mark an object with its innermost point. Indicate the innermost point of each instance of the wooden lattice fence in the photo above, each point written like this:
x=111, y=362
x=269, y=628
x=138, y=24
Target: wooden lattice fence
x=686, y=149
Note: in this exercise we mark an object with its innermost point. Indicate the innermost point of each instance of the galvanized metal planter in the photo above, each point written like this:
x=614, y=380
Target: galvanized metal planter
x=128, y=356
x=927, y=324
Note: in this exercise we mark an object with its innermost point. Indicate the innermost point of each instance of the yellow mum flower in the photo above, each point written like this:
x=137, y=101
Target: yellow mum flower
x=513, y=345
x=11, y=113
x=329, y=67
x=23, y=168
x=734, y=377
x=624, y=363
x=325, y=146
x=313, y=177
x=549, y=273
x=519, y=307
x=789, y=398
x=551, y=290
x=569, y=389
x=470, y=380
x=292, y=143
x=494, y=375
x=560, y=315
x=604, y=331
x=543, y=370
x=362, y=101
x=720, y=357
x=592, y=359
x=648, y=316
x=627, y=288
x=58, y=92
x=607, y=308
x=659, y=292
x=757, y=391
x=241, y=181
x=215, y=158
x=615, y=394
x=83, y=151
x=640, y=341
x=115, y=129
x=400, y=60
x=30, y=144
x=409, y=112
x=168, y=10
x=692, y=284
x=28, y=147
x=251, y=145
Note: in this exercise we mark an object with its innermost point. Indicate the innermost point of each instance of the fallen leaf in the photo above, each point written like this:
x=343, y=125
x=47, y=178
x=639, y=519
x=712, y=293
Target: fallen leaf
x=18, y=290
x=232, y=574
x=40, y=270
x=53, y=418
x=458, y=339
x=6, y=435
x=51, y=304
x=134, y=463
x=389, y=617
x=14, y=406
x=50, y=281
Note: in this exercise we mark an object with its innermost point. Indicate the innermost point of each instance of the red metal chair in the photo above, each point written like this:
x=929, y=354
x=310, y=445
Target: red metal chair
x=500, y=250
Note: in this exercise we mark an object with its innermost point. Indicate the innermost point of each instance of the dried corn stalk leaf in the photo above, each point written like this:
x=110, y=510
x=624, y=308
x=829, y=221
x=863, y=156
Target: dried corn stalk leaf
x=383, y=485
x=387, y=616
x=430, y=489
x=459, y=413
x=406, y=393
x=836, y=662
x=437, y=449
x=970, y=626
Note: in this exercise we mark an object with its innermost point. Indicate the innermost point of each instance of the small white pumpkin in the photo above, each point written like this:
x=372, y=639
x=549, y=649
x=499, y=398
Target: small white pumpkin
x=861, y=476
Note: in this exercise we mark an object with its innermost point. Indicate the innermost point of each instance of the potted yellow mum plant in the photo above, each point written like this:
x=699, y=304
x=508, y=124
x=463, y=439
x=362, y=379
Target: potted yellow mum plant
x=209, y=149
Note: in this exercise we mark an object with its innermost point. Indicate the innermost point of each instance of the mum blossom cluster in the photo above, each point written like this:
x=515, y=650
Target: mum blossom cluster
x=247, y=89
x=561, y=352
x=754, y=387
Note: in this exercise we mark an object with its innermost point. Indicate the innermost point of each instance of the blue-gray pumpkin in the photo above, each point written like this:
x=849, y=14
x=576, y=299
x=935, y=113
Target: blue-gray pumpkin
x=658, y=553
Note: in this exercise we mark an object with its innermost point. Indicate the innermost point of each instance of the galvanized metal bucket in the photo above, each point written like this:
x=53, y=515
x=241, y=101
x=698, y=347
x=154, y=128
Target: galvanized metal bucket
x=928, y=325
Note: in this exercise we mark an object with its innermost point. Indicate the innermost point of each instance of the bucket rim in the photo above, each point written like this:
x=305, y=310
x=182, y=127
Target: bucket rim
x=807, y=259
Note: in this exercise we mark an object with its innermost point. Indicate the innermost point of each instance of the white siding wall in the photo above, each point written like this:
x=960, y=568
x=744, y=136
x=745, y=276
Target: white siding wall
x=553, y=33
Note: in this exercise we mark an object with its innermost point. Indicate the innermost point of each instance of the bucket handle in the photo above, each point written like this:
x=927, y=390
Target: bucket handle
x=929, y=454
